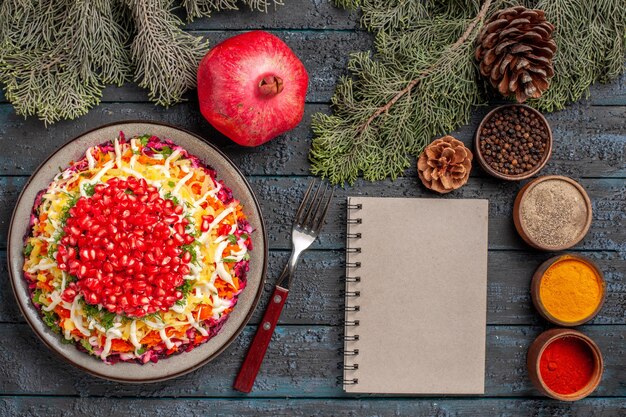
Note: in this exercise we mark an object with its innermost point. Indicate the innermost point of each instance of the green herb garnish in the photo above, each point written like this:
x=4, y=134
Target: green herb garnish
x=36, y=296
x=171, y=183
x=166, y=151
x=106, y=319
x=51, y=318
x=85, y=343
x=229, y=260
x=191, y=249
x=232, y=239
x=91, y=310
x=51, y=249
x=66, y=341
x=89, y=189
x=185, y=289
x=168, y=196
x=28, y=249
x=65, y=211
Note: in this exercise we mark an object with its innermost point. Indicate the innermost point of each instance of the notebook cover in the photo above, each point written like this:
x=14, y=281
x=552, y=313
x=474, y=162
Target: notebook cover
x=422, y=296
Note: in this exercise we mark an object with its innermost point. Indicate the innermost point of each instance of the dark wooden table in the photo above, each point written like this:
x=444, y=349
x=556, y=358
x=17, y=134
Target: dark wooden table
x=300, y=371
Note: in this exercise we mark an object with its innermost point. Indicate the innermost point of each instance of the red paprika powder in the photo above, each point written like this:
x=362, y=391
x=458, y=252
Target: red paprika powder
x=567, y=365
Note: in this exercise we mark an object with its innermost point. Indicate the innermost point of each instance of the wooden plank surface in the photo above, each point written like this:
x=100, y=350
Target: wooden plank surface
x=301, y=362
x=279, y=198
x=448, y=407
x=316, y=299
x=588, y=141
x=299, y=375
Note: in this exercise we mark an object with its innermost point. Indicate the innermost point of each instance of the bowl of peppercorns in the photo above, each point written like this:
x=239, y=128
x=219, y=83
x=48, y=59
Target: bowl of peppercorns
x=513, y=142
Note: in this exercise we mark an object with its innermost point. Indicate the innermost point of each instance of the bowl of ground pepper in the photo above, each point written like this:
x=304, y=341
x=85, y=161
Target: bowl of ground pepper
x=568, y=290
x=513, y=142
x=552, y=213
x=564, y=364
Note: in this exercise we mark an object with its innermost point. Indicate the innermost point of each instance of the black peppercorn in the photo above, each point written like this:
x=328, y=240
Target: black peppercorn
x=513, y=140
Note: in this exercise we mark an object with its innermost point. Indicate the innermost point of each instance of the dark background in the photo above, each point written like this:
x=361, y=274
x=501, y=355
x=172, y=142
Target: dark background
x=300, y=371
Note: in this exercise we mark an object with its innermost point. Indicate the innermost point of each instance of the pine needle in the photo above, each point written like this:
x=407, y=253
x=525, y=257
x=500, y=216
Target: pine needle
x=165, y=56
x=56, y=56
x=57, y=68
x=422, y=82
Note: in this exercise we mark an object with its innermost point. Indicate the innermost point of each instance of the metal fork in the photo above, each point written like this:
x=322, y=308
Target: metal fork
x=306, y=227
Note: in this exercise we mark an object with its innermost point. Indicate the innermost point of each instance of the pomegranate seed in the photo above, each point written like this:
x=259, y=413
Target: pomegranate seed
x=68, y=295
x=170, y=218
x=125, y=248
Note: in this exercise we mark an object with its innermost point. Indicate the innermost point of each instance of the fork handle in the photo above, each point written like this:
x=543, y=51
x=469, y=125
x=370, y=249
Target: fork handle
x=252, y=363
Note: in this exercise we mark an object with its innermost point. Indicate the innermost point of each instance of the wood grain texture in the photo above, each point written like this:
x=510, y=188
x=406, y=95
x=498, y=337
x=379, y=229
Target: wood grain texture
x=315, y=297
x=279, y=198
x=589, y=141
x=78, y=407
x=301, y=362
x=298, y=377
x=324, y=54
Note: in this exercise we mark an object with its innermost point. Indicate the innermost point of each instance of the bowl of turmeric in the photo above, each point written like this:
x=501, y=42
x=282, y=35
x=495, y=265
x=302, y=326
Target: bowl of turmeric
x=568, y=290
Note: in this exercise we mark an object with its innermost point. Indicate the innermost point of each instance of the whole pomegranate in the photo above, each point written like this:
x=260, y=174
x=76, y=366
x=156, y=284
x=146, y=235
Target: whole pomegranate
x=251, y=87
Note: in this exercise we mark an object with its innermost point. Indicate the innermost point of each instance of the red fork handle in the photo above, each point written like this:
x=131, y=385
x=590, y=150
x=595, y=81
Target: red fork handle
x=252, y=363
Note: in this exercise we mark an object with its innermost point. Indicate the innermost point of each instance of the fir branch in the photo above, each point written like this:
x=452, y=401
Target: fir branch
x=165, y=56
x=422, y=81
x=591, y=39
x=442, y=61
x=58, y=66
x=390, y=110
x=56, y=56
x=200, y=8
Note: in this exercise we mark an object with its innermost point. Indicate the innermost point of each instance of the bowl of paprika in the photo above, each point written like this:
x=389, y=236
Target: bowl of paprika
x=568, y=290
x=564, y=364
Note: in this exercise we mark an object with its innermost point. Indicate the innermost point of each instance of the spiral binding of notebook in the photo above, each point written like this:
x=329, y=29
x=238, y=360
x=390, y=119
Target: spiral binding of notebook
x=351, y=293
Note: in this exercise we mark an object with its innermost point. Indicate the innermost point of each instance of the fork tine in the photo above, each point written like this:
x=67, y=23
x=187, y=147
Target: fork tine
x=314, y=207
x=316, y=229
x=303, y=205
x=310, y=207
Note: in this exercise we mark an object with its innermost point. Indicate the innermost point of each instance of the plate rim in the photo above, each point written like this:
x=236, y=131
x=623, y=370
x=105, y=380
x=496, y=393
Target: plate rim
x=209, y=358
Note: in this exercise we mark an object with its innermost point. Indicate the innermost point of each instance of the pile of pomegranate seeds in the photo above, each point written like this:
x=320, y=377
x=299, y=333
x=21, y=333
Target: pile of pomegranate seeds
x=124, y=244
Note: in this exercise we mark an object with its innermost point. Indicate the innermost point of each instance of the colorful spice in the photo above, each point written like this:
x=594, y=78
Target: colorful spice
x=554, y=213
x=567, y=365
x=514, y=140
x=571, y=290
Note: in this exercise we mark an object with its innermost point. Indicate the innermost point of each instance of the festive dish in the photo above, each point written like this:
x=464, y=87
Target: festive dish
x=130, y=371
x=136, y=251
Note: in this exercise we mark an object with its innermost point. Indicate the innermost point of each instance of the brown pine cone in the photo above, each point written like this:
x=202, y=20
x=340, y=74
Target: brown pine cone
x=515, y=50
x=444, y=165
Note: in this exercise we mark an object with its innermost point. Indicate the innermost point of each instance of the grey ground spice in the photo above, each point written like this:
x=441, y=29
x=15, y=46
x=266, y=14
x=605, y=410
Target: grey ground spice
x=553, y=213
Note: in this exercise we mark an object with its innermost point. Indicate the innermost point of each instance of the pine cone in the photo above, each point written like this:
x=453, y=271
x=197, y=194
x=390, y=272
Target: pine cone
x=444, y=165
x=515, y=51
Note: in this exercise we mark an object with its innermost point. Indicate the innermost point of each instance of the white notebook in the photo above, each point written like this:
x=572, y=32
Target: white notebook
x=416, y=289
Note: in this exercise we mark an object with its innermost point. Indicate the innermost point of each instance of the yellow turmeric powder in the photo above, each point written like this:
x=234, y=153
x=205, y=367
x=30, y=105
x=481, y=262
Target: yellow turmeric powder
x=571, y=290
